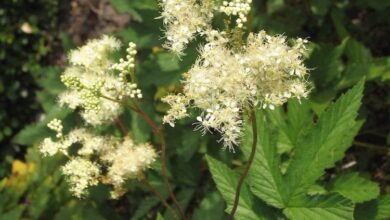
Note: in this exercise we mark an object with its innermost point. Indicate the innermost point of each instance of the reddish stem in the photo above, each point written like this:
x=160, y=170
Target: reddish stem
x=248, y=166
x=121, y=126
x=157, y=131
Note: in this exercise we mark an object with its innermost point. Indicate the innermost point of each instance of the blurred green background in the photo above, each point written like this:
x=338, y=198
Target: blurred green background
x=349, y=41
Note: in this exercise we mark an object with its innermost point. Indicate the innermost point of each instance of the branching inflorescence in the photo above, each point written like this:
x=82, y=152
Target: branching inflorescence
x=93, y=76
x=96, y=85
x=231, y=77
x=122, y=160
x=264, y=73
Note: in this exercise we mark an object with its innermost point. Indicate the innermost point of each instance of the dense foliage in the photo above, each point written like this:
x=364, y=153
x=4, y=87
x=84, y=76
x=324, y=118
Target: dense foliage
x=24, y=43
x=325, y=157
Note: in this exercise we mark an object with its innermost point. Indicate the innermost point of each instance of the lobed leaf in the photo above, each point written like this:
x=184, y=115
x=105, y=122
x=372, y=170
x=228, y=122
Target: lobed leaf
x=355, y=188
x=265, y=175
x=321, y=208
x=325, y=144
x=226, y=181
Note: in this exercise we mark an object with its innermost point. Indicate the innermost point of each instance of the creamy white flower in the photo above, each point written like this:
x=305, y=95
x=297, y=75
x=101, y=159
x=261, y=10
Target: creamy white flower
x=127, y=161
x=94, y=80
x=56, y=125
x=49, y=147
x=183, y=19
x=237, y=8
x=123, y=160
x=95, y=55
x=224, y=82
x=81, y=174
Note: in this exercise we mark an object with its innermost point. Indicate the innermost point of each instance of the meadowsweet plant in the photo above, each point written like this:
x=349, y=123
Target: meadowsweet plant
x=99, y=88
x=96, y=87
x=233, y=85
x=249, y=88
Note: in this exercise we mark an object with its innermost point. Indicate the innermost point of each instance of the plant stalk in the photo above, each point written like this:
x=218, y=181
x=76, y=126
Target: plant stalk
x=160, y=197
x=157, y=131
x=248, y=166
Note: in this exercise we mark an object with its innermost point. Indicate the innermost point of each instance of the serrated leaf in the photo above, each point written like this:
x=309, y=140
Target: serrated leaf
x=359, y=60
x=355, y=188
x=326, y=63
x=321, y=208
x=226, y=181
x=292, y=127
x=377, y=209
x=265, y=175
x=325, y=144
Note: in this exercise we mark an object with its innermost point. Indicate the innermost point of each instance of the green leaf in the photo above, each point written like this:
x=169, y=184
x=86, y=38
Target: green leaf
x=377, y=209
x=375, y=4
x=159, y=217
x=355, y=188
x=325, y=144
x=183, y=197
x=121, y=5
x=384, y=207
x=320, y=7
x=226, y=181
x=128, y=6
x=265, y=175
x=49, y=79
x=380, y=68
x=150, y=203
x=142, y=38
x=211, y=207
x=292, y=127
x=33, y=133
x=321, y=208
x=326, y=64
x=338, y=18
x=168, y=61
x=359, y=60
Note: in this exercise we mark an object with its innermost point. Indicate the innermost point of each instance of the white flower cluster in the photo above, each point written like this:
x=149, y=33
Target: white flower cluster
x=239, y=8
x=56, y=125
x=94, y=56
x=223, y=83
x=127, y=161
x=81, y=174
x=92, y=80
x=114, y=161
x=183, y=19
x=50, y=147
